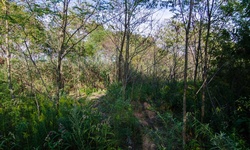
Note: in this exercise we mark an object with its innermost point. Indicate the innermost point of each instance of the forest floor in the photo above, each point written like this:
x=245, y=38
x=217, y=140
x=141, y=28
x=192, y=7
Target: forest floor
x=146, y=117
x=143, y=112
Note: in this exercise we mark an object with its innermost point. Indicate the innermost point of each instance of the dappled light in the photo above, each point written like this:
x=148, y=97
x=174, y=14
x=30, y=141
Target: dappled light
x=124, y=75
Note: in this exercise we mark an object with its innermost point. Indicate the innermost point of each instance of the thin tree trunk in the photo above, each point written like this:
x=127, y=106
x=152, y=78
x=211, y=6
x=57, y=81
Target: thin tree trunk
x=206, y=61
x=61, y=50
x=198, y=52
x=8, y=53
x=120, y=59
x=7, y=50
x=121, y=70
x=58, y=80
x=173, y=70
x=187, y=28
x=126, y=63
x=119, y=64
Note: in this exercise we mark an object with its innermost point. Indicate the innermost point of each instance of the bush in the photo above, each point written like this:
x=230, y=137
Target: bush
x=205, y=137
x=90, y=130
x=124, y=125
x=167, y=135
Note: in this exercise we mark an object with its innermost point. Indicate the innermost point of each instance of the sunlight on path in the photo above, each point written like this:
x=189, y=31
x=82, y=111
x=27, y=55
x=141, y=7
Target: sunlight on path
x=96, y=95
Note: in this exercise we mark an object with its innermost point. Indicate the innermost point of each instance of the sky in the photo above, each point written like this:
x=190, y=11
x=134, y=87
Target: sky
x=163, y=14
x=159, y=17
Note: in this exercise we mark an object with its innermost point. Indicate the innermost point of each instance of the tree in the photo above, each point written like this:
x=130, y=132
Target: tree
x=204, y=77
x=187, y=23
x=5, y=7
x=200, y=10
x=67, y=25
x=230, y=67
x=170, y=39
x=128, y=16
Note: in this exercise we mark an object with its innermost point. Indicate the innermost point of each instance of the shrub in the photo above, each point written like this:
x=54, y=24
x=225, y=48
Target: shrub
x=206, y=138
x=89, y=130
x=167, y=133
x=125, y=126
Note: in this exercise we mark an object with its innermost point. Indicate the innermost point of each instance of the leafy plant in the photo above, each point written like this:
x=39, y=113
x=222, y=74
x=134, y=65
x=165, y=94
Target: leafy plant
x=205, y=137
x=125, y=126
x=8, y=142
x=167, y=134
x=90, y=130
x=58, y=140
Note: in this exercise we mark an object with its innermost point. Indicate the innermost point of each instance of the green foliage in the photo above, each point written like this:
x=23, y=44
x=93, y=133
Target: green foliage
x=93, y=43
x=23, y=124
x=124, y=125
x=8, y=142
x=172, y=99
x=205, y=137
x=81, y=128
x=90, y=130
x=168, y=132
x=88, y=90
x=30, y=120
x=57, y=140
x=114, y=91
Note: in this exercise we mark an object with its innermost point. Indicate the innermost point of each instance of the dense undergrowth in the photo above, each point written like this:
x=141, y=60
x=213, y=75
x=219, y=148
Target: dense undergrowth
x=30, y=120
x=56, y=56
x=225, y=126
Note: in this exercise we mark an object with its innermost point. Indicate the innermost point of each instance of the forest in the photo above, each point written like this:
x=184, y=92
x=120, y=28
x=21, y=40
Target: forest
x=124, y=74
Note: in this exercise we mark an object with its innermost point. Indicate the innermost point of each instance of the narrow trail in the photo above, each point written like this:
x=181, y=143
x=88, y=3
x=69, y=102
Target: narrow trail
x=146, y=118
x=96, y=96
x=144, y=114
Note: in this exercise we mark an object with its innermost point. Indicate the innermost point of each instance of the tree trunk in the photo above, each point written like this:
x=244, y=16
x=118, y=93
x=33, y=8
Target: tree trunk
x=198, y=52
x=204, y=76
x=7, y=51
x=120, y=59
x=126, y=62
x=61, y=49
x=187, y=28
x=58, y=80
x=119, y=65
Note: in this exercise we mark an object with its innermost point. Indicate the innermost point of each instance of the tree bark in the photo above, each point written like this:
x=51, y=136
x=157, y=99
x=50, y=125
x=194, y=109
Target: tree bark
x=120, y=59
x=61, y=51
x=187, y=28
x=204, y=76
x=126, y=62
x=7, y=50
x=198, y=51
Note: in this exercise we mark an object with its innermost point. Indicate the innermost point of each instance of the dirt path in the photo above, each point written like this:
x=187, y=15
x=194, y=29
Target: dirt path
x=146, y=118
x=143, y=112
x=96, y=95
